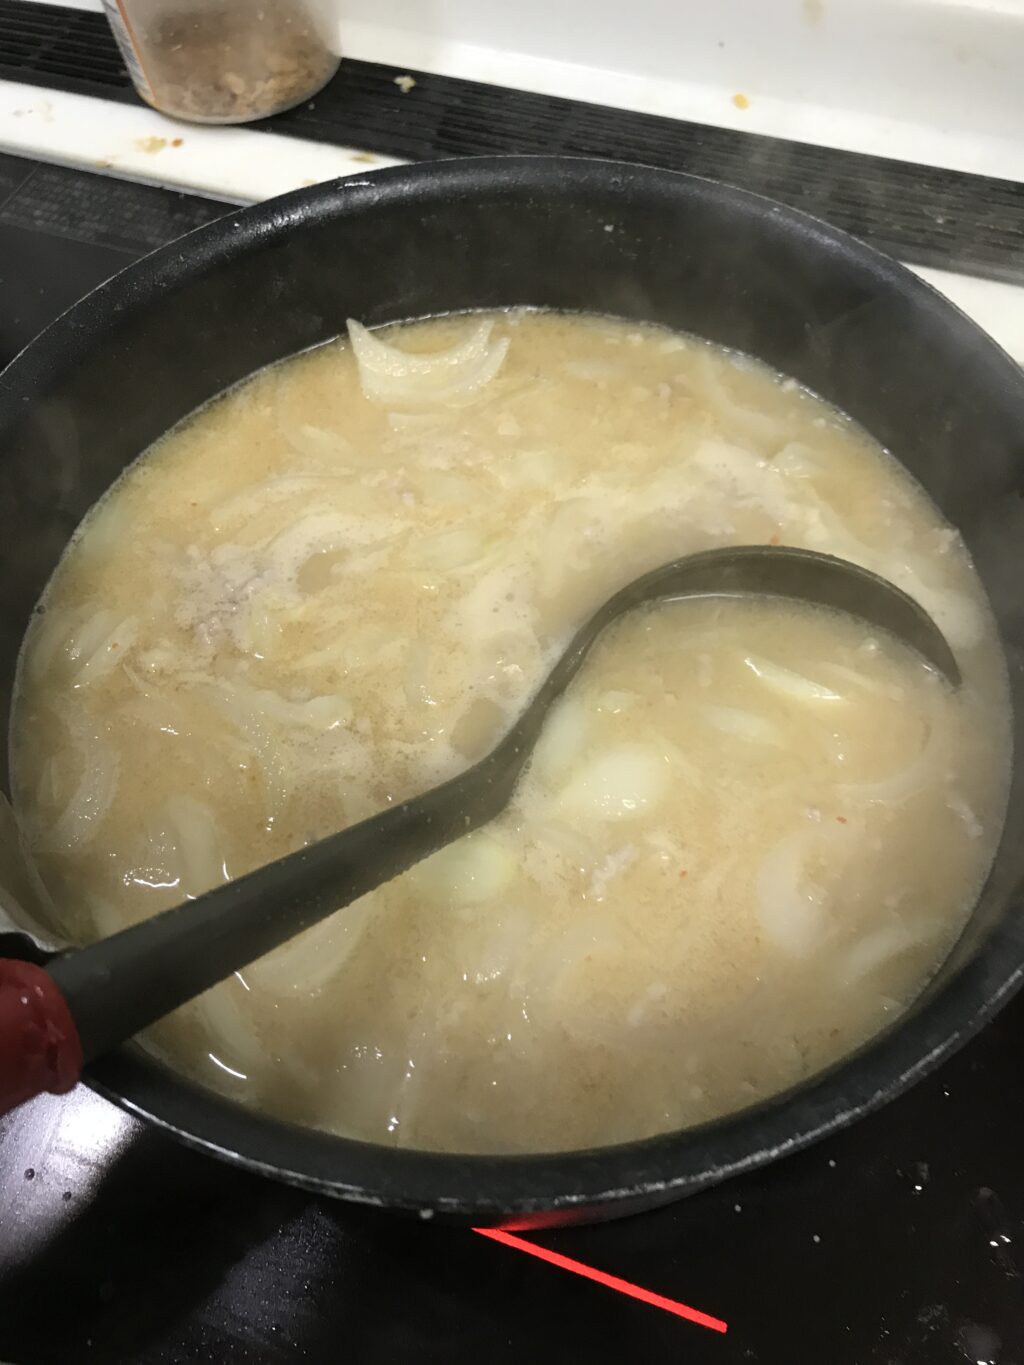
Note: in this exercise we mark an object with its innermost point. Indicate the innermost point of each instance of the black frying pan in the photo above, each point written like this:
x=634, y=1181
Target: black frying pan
x=134, y=357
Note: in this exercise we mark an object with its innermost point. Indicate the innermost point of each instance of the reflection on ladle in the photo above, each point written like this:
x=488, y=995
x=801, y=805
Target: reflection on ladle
x=89, y=1000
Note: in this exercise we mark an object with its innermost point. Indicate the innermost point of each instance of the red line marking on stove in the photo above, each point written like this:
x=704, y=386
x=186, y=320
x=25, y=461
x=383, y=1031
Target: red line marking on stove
x=634, y=1291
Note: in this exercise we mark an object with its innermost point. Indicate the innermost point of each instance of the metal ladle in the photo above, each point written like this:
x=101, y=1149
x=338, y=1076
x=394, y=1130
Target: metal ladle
x=53, y=1019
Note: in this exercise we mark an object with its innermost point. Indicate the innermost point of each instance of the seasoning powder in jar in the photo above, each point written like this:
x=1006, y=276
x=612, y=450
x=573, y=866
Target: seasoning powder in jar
x=225, y=61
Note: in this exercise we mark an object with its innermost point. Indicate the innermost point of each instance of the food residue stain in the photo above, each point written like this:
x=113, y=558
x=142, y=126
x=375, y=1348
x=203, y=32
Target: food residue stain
x=741, y=101
x=363, y=156
x=814, y=12
x=151, y=144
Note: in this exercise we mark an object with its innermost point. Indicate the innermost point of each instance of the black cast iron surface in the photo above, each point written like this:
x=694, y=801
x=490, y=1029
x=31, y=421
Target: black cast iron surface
x=898, y=1242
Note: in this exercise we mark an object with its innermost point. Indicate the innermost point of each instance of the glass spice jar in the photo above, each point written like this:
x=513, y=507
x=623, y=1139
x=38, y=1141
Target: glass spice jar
x=225, y=61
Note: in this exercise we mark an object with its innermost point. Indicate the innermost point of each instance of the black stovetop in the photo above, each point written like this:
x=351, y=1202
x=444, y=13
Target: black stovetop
x=897, y=1242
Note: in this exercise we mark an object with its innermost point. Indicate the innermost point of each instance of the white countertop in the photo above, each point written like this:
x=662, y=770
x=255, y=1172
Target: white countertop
x=932, y=81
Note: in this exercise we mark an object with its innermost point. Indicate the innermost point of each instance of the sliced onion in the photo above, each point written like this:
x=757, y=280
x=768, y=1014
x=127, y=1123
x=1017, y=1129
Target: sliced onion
x=567, y=544
x=457, y=547
x=91, y=634
x=252, y=723
x=192, y=826
x=596, y=371
x=109, y=653
x=406, y=1101
x=100, y=644
x=506, y=946
x=748, y=725
x=609, y=868
x=958, y=617
x=473, y=870
x=853, y=678
x=440, y=488
x=975, y=829
x=21, y=885
x=319, y=531
x=306, y=964
x=318, y=713
x=798, y=461
x=531, y=467
x=477, y=728
x=735, y=418
x=619, y=784
x=106, y=918
x=562, y=740
x=557, y=847
x=230, y=1034
x=789, y=911
x=902, y=784
x=746, y=480
x=312, y=442
x=81, y=818
x=614, y=702
x=48, y=639
x=106, y=528
x=315, y=443
x=400, y=379
x=873, y=950
x=354, y=647
x=568, y=986
x=318, y=443
x=270, y=493
x=257, y=630
x=413, y=422
x=669, y=849
x=790, y=684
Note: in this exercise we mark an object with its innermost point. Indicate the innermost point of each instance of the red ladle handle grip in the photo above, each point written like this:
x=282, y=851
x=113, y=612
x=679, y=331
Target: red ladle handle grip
x=39, y=1046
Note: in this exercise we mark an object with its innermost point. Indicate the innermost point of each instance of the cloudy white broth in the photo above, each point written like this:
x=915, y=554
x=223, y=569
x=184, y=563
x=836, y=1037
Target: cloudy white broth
x=751, y=830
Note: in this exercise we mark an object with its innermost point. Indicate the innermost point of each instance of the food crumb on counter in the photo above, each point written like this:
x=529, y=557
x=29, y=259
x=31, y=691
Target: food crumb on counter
x=741, y=101
x=405, y=83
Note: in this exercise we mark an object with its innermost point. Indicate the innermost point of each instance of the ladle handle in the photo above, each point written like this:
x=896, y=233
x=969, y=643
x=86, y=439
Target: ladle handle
x=118, y=985
x=40, y=1049
x=87, y=1001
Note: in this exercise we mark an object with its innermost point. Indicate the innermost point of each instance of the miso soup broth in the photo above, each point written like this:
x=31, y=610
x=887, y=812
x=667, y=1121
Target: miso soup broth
x=751, y=830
